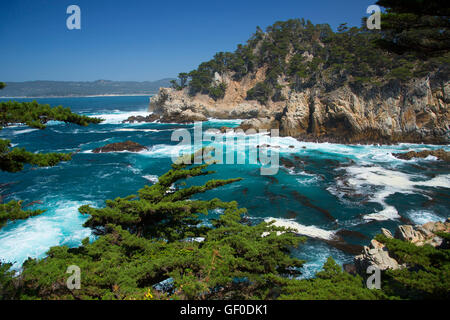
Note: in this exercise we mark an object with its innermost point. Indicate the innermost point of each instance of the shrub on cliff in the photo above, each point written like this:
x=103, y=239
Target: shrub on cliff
x=302, y=53
x=419, y=26
x=260, y=92
x=332, y=283
x=427, y=271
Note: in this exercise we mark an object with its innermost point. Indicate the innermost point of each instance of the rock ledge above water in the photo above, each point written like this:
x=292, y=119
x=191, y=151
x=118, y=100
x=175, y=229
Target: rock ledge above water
x=120, y=146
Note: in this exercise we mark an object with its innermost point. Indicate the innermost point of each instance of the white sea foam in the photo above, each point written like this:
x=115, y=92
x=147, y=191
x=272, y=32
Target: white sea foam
x=118, y=116
x=137, y=130
x=308, y=181
x=310, y=231
x=442, y=181
x=423, y=216
x=134, y=170
x=15, y=132
x=388, y=213
x=152, y=178
x=167, y=151
x=389, y=182
x=60, y=225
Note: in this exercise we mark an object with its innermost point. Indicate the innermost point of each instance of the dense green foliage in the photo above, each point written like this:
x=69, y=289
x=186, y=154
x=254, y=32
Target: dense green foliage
x=332, y=283
x=12, y=211
x=33, y=115
x=299, y=54
x=261, y=92
x=158, y=212
x=7, y=289
x=148, y=239
x=161, y=234
x=37, y=115
x=13, y=160
x=427, y=272
x=417, y=26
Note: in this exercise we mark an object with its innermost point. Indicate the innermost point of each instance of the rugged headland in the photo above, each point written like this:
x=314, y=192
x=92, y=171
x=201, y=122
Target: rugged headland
x=318, y=85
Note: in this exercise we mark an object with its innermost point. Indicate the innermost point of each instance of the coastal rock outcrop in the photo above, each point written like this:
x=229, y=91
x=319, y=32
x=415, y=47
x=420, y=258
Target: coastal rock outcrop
x=416, y=111
x=376, y=254
x=150, y=118
x=120, y=146
x=441, y=154
x=258, y=124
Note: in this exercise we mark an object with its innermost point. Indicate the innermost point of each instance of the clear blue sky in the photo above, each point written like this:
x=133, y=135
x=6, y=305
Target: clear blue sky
x=141, y=39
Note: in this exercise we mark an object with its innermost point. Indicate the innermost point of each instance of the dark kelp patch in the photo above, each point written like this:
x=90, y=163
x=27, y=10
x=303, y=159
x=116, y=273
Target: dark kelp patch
x=307, y=203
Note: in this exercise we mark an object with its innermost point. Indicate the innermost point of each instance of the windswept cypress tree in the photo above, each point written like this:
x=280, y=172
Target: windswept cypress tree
x=159, y=212
x=147, y=239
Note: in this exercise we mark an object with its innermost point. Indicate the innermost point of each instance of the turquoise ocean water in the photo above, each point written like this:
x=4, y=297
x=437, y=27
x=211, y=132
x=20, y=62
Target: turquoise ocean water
x=325, y=191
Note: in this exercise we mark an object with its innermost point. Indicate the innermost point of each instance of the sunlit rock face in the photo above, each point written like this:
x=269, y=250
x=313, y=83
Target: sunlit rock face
x=413, y=111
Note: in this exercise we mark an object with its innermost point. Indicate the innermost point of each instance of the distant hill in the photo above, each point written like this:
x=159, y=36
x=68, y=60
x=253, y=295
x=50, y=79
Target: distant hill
x=76, y=88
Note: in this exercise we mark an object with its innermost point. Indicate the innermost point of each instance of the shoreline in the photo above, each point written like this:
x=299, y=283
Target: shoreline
x=319, y=139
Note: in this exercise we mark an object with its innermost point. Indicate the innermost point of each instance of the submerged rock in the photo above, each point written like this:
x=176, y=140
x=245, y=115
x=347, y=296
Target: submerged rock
x=307, y=203
x=225, y=129
x=150, y=118
x=120, y=146
x=441, y=154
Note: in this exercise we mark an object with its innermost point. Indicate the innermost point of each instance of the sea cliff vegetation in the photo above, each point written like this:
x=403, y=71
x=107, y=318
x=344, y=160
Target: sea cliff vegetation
x=412, y=42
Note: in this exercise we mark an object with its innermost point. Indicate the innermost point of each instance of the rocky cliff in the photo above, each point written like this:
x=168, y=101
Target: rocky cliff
x=417, y=111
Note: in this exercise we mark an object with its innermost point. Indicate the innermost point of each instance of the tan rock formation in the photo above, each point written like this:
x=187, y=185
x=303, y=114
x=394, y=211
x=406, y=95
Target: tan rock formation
x=378, y=255
x=417, y=111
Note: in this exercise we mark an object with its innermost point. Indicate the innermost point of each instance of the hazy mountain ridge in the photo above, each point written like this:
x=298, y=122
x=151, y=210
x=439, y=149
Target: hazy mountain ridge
x=41, y=88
